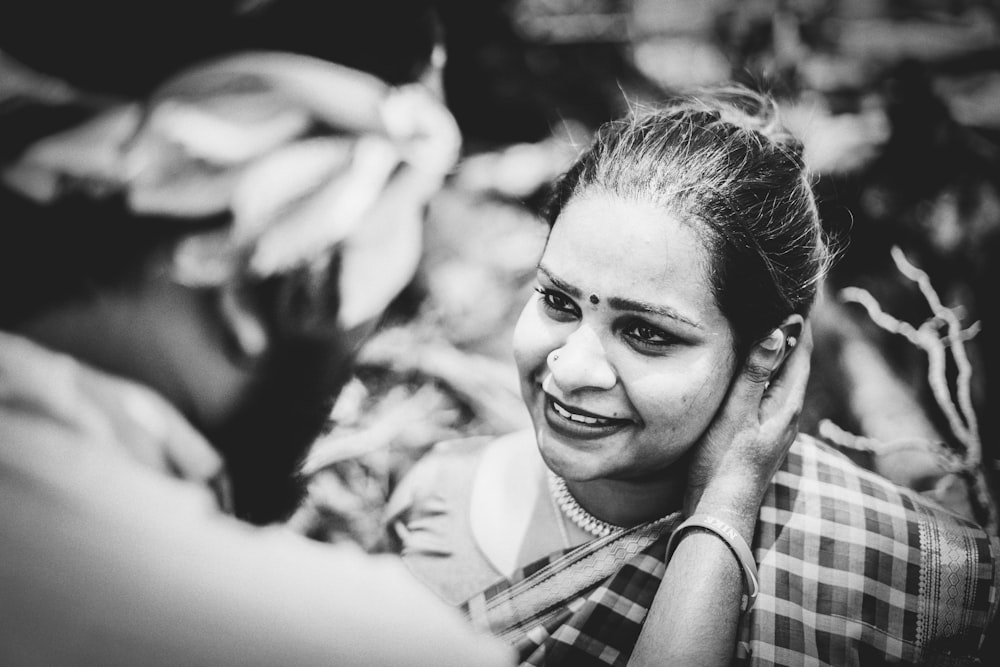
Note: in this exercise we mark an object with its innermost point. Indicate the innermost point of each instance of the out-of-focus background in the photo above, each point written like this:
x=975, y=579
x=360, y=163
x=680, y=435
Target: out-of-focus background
x=898, y=105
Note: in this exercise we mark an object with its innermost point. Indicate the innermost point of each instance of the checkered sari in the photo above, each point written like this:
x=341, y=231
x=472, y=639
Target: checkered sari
x=853, y=570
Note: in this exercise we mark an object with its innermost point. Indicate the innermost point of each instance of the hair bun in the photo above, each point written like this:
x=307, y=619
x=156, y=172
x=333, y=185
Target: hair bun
x=748, y=110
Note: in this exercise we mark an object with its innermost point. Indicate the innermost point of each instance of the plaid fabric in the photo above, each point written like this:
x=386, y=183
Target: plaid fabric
x=584, y=606
x=856, y=570
x=853, y=570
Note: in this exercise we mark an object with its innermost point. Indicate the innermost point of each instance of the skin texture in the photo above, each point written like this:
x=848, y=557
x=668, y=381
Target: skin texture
x=703, y=582
x=654, y=374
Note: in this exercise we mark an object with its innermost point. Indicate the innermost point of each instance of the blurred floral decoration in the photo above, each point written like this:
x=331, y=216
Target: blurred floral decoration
x=898, y=106
x=298, y=160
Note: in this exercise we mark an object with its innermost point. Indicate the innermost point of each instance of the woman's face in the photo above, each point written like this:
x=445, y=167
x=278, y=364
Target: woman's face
x=624, y=356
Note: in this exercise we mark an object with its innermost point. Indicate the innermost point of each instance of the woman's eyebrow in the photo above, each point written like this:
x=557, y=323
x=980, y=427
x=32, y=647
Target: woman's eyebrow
x=619, y=303
x=564, y=286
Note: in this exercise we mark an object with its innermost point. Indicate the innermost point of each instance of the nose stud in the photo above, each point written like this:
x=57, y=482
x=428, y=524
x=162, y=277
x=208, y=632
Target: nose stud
x=580, y=368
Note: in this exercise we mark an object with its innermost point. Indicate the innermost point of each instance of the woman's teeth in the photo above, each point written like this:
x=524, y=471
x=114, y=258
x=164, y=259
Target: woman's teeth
x=572, y=416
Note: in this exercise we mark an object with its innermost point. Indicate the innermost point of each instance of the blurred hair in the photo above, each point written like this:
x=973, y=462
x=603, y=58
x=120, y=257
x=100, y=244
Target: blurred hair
x=720, y=158
x=80, y=247
x=75, y=248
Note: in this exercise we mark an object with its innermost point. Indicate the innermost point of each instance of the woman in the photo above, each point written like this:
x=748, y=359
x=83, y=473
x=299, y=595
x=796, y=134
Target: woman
x=683, y=256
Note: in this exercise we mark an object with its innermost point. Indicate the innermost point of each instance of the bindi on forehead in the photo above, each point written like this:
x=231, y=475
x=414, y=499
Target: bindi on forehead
x=594, y=299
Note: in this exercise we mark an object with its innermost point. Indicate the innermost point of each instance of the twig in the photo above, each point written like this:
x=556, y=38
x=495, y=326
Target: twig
x=961, y=417
x=955, y=336
x=927, y=339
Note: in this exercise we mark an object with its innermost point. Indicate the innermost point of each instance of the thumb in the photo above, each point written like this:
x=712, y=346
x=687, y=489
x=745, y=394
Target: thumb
x=787, y=390
x=752, y=380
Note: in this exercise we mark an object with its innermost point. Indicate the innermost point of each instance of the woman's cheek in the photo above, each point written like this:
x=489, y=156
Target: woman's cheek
x=657, y=397
x=676, y=402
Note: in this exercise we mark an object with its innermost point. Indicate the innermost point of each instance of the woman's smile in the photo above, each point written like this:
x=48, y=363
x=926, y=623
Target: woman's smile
x=575, y=422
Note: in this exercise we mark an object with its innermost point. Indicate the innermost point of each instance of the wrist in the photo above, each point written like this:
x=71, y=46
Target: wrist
x=736, y=501
x=738, y=545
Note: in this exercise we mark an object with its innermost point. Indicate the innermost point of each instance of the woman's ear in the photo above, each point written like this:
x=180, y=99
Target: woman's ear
x=791, y=327
x=242, y=322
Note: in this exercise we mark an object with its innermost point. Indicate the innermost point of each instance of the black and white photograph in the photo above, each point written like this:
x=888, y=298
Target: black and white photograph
x=483, y=333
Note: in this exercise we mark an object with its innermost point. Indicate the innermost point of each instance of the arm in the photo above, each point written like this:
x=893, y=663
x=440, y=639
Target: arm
x=729, y=475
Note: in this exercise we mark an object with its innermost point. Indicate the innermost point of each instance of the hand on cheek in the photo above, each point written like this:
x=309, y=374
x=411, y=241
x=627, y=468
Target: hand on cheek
x=738, y=455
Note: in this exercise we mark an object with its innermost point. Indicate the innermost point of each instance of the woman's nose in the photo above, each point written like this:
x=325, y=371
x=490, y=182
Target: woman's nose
x=581, y=363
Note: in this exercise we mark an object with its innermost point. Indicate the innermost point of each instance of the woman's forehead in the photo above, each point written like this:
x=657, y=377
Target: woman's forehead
x=602, y=243
x=603, y=236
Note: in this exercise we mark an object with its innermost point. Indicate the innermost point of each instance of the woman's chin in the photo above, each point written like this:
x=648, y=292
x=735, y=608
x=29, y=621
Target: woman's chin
x=587, y=460
x=568, y=459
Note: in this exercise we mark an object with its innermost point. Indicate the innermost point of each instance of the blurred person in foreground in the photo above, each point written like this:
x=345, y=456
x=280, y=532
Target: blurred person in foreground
x=186, y=273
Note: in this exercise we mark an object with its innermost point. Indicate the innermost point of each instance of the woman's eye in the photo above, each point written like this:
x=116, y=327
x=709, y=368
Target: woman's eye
x=556, y=303
x=648, y=336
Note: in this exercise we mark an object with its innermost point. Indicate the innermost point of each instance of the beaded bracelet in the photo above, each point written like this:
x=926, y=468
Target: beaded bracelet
x=736, y=544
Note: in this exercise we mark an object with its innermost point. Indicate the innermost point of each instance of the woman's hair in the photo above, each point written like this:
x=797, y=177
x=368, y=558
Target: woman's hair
x=720, y=158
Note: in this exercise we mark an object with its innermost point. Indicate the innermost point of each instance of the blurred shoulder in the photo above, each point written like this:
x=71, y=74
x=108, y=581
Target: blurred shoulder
x=445, y=462
x=439, y=483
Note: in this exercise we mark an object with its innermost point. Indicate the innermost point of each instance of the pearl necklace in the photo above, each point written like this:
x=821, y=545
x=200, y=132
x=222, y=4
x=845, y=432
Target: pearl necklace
x=586, y=521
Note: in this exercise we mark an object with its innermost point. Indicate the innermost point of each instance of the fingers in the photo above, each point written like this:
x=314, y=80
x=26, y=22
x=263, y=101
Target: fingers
x=749, y=385
x=787, y=388
x=749, y=437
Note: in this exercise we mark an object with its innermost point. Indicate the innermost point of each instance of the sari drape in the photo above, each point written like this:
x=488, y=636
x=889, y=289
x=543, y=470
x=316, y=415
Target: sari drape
x=854, y=570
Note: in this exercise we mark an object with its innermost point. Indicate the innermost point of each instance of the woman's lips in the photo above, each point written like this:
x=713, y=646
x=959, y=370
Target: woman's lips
x=579, y=414
x=578, y=423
